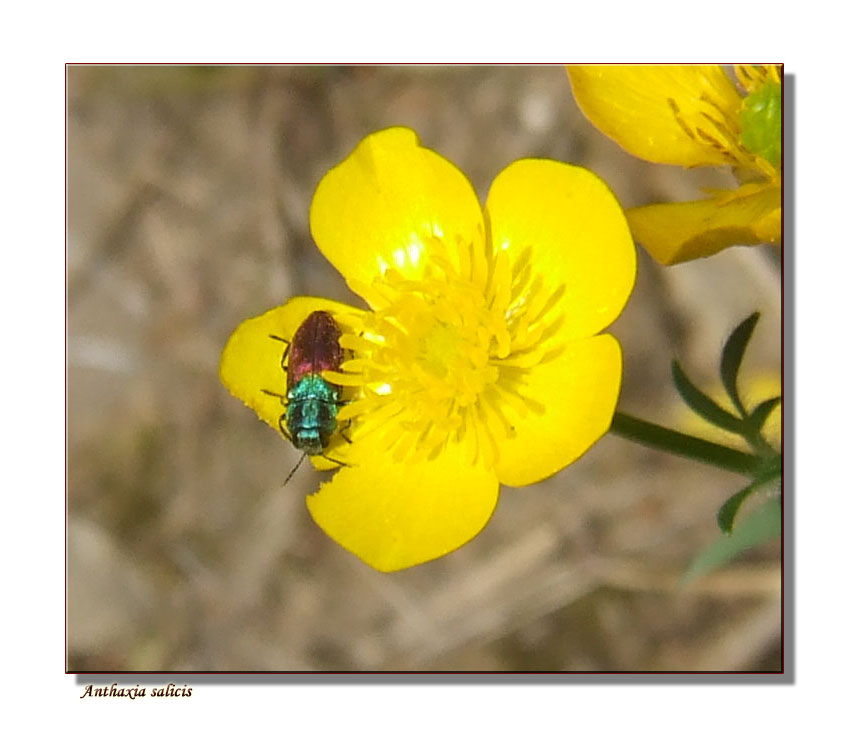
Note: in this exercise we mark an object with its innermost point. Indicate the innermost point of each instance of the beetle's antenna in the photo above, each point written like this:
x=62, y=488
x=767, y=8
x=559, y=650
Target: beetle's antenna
x=301, y=460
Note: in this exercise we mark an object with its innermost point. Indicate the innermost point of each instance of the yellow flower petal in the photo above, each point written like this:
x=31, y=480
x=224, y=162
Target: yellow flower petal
x=577, y=233
x=643, y=108
x=769, y=228
x=681, y=231
x=394, y=516
x=251, y=360
x=577, y=393
x=387, y=204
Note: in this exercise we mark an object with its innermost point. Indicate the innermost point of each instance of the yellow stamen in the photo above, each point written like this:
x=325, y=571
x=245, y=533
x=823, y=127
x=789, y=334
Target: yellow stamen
x=443, y=360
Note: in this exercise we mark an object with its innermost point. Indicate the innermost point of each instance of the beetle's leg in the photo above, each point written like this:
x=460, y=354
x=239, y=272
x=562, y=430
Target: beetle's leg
x=334, y=460
x=285, y=350
x=275, y=394
x=281, y=423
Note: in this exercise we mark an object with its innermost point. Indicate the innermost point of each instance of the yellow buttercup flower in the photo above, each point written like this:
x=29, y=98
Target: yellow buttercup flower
x=479, y=362
x=695, y=116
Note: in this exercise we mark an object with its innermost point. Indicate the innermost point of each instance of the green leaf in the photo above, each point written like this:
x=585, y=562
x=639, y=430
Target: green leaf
x=760, y=414
x=726, y=513
x=761, y=526
x=704, y=405
x=733, y=354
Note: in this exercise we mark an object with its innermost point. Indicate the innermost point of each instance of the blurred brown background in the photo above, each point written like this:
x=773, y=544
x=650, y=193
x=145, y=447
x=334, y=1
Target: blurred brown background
x=188, y=200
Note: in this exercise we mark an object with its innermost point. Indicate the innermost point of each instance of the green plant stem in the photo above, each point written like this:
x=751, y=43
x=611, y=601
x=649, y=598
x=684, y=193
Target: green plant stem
x=662, y=438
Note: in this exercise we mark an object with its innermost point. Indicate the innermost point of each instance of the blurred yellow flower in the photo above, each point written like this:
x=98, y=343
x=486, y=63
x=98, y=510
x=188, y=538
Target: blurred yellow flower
x=479, y=361
x=695, y=116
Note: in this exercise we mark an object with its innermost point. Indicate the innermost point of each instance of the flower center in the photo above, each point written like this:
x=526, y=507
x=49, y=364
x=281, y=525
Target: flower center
x=747, y=135
x=444, y=355
x=442, y=348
